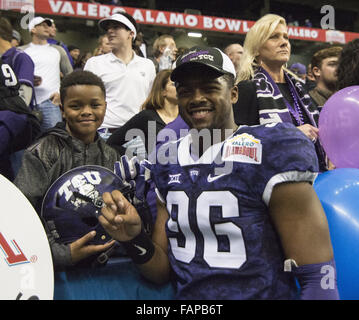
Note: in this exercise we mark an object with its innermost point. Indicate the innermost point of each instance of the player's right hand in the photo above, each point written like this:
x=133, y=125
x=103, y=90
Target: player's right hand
x=119, y=217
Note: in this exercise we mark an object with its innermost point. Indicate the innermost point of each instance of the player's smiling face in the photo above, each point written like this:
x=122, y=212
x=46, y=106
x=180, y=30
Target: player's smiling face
x=84, y=110
x=205, y=101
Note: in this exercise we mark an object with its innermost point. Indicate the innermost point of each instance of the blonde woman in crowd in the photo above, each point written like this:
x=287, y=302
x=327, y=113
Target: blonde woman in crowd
x=103, y=46
x=267, y=92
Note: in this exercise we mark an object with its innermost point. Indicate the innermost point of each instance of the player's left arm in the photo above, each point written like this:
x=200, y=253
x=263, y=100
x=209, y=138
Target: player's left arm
x=303, y=229
x=301, y=223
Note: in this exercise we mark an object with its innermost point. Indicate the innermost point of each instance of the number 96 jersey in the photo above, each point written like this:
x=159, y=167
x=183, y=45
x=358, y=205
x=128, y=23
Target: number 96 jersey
x=222, y=244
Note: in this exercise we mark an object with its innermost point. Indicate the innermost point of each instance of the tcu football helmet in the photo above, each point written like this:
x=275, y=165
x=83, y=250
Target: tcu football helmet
x=73, y=203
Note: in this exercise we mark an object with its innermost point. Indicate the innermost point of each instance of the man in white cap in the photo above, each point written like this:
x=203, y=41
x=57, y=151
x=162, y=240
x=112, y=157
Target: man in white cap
x=50, y=61
x=128, y=77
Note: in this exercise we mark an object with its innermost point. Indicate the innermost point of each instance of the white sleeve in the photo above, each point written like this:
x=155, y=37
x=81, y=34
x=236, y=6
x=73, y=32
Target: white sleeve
x=289, y=176
x=25, y=92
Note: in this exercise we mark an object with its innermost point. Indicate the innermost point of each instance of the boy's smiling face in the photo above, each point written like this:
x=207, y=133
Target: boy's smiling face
x=84, y=109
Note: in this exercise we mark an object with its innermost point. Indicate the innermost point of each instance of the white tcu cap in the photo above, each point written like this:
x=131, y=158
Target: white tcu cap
x=118, y=17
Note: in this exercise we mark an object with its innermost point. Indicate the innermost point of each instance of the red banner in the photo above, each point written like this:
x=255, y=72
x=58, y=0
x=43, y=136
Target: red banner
x=180, y=20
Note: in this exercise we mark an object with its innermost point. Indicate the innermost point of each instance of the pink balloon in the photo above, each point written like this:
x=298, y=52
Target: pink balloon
x=339, y=128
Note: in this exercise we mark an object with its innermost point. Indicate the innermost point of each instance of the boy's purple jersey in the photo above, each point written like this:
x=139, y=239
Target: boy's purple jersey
x=222, y=244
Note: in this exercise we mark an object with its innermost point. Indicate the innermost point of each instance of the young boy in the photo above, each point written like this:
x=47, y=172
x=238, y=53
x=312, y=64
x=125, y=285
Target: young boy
x=70, y=144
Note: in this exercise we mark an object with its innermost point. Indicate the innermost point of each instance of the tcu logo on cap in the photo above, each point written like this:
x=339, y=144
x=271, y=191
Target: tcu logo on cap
x=204, y=57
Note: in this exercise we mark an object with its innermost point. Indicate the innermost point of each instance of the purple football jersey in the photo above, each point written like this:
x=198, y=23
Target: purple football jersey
x=222, y=244
x=23, y=67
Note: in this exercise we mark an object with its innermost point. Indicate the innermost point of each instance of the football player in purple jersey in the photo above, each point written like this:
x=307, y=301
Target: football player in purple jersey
x=19, y=61
x=237, y=215
x=18, y=126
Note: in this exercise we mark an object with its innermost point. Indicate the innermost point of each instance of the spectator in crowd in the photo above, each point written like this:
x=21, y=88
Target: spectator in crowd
x=292, y=21
x=75, y=53
x=49, y=60
x=18, y=126
x=266, y=92
x=309, y=80
x=234, y=51
x=180, y=51
x=308, y=23
x=80, y=64
x=19, y=61
x=324, y=67
x=299, y=70
x=72, y=143
x=347, y=71
x=23, y=66
x=222, y=244
x=164, y=52
x=141, y=44
x=52, y=40
x=159, y=109
x=128, y=78
x=137, y=50
x=348, y=65
x=103, y=46
x=16, y=39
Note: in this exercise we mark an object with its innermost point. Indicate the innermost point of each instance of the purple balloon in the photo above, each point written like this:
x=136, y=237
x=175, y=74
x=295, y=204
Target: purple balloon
x=339, y=128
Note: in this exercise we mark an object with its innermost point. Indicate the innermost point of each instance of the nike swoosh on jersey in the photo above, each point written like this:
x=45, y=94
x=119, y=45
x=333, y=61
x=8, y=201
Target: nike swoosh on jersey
x=211, y=178
x=143, y=250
